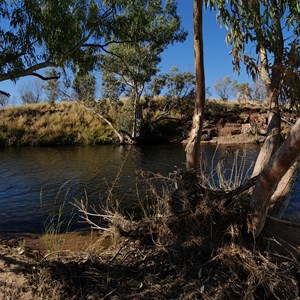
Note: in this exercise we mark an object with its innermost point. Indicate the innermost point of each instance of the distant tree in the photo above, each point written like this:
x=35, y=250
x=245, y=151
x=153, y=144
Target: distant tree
x=127, y=67
x=4, y=100
x=226, y=88
x=258, y=89
x=244, y=91
x=208, y=93
x=31, y=93
x=85, y=86
x=52, y=88
x=177, y=90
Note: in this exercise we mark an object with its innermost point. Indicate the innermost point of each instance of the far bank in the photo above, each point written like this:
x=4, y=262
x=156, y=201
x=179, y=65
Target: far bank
x=68, y=123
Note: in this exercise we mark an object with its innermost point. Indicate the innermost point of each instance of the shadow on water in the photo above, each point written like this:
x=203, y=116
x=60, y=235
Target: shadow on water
x=27, y=173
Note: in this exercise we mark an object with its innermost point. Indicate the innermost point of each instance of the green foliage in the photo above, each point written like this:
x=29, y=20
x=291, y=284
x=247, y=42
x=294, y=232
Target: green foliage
x=244, y=91
x=178, y=89
x=85, y=86
x=133, y=59
x=36, y=34
x=273, y=26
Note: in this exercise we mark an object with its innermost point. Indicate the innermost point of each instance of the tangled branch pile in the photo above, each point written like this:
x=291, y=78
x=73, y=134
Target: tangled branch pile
x=191, y=243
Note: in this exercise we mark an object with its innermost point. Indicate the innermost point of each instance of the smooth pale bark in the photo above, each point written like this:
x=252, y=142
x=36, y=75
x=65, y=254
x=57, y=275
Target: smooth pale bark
x=264, y=74
x=281, y=197
x=137, y=114
x=270, y=176
x=271, y=75
x=271, y=143
x=193, y=145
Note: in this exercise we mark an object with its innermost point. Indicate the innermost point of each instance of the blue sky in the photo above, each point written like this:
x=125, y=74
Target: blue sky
x=218, y=62
x=216, y=54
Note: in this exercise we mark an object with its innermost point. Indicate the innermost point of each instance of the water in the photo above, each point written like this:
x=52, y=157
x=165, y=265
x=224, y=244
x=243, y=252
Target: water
x=31, y=176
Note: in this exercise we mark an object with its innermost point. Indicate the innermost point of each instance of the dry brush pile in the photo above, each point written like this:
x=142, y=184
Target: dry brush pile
x=191, y=243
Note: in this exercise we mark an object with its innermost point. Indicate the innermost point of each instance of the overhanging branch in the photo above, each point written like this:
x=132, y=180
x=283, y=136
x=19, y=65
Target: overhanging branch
x=45, y=78
x=26, y=72
x=4, y=93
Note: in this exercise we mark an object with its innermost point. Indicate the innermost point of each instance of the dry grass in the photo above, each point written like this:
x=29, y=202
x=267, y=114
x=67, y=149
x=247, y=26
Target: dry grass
x=43, y=123
x=192, y=243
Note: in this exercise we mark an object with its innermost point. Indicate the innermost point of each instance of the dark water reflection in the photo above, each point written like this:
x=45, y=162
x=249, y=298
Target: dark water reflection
x=29, y=174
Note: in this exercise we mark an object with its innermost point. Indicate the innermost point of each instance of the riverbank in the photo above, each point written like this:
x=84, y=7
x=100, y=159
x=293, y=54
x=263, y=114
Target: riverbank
x=51, y=124
x=143, y=261
x=68, y=123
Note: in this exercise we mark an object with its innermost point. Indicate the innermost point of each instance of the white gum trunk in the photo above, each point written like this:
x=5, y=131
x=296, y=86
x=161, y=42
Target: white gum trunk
x=270, y=176
x=282, y=195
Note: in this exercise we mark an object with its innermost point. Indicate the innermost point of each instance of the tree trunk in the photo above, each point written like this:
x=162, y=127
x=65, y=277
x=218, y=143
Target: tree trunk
x=281, y=197
x=270, y=176
x=271, y=143
x=138, y=115
x=193, y=146
x=264, y=74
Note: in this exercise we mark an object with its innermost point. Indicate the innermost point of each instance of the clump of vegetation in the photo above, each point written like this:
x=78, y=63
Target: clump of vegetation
x=191, y=242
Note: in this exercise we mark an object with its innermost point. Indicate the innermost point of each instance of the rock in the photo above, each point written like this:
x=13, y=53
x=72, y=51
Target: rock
x=205, y=137
x=236, y=131
x=260, y=140
x=213, y=133
x=246, y=128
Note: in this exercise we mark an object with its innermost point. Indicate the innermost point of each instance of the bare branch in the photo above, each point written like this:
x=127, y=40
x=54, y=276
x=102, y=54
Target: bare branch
x=45, y=78
x=120, y=137
x=26, y=72
x=4, y=93
x=107, y=44
x=31, y=70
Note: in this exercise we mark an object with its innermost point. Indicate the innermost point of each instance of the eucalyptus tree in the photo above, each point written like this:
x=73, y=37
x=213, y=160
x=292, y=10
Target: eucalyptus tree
x=226, y=88
x=177, y=91
x=193, y=145
x=272, y=28
x=4, y=100
x=84, y=85
x=52, y=87
x=31, y=92
x=131, y=62
x=36, y=34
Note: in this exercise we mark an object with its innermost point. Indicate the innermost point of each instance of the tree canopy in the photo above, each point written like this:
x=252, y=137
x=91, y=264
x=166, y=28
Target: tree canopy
x=130, y=63
x=35, y=34
x=272, y=29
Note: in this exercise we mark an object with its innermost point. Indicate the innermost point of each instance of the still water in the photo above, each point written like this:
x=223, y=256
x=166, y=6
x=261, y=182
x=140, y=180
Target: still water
x=32, y=177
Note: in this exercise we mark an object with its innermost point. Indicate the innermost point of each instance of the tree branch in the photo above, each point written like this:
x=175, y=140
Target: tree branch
x=4, y=93
x=45, y=78
x=31, y=70
x=105, y=45
x=26, y=72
